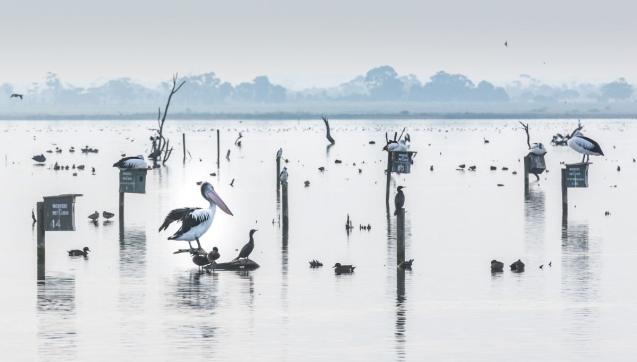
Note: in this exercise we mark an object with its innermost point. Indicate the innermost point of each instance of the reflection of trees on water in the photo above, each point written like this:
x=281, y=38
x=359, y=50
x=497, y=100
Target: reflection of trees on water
x=57, y=335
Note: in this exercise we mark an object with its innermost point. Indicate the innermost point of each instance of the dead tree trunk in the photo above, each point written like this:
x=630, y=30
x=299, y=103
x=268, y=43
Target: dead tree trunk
x=161, y=150
x=327, y=127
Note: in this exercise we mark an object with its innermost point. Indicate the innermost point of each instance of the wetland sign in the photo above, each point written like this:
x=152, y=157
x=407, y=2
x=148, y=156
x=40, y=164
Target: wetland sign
x=401, y=161
x=133, y=181
x=577, y=175
x=59, y=212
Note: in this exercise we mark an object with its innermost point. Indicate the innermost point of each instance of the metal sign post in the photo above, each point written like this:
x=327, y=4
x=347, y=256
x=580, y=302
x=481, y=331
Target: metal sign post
x=54, y=213
x=398, y=162
x=573, y=175
x=132, y=181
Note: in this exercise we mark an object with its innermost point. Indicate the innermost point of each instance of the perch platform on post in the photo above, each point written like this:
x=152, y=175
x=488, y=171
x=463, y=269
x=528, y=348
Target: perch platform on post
x=239, y=264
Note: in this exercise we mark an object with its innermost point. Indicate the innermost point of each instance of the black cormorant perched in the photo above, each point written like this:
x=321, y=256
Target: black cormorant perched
x=76, y=252
x=247, y=248
x=399, y=199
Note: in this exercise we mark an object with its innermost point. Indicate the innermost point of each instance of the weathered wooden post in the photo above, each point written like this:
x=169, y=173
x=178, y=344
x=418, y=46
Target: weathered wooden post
x=121, y=206
x=218, y=149
x=526, y=174
x=183, y=143
x=400, y=236
x=279, y=153
x=41, y=242
x=55, y=213
x=389, y=168
x=284, y=191
x=564, y=193
x=573, y=175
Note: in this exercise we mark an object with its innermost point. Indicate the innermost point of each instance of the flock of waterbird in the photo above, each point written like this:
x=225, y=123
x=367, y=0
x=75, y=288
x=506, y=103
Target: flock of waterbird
x=195, y=221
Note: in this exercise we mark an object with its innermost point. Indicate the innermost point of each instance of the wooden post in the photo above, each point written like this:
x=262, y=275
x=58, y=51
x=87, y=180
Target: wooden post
x=183, y=141
x=121, y=208
x=41, y=242
x=389, y=165
x=400, y=236
x=564, y=193
x=278, y=173
x=218, y=149
x=284, y=190
x=527, y=166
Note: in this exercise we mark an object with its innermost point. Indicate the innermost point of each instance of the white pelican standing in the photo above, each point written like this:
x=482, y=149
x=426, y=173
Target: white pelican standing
x=584, y=145
x=127, y=163
x=195, y=221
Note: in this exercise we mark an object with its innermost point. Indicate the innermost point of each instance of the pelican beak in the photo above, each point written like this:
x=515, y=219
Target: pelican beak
x=212, y=195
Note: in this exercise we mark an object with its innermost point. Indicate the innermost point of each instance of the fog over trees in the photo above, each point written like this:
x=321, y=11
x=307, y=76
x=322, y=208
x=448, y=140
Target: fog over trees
x=380, y=89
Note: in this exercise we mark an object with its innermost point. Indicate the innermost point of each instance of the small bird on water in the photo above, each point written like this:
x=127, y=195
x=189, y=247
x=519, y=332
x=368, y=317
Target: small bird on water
x=76, y=252
x=247, y=248
x=107, y=215
x=94, y=216
x=343, y=269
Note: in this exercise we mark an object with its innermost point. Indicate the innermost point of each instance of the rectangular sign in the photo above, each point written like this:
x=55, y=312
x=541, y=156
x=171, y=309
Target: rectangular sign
x=59, y=213
x=133, y=181
x=401, y=161
x=577, y=175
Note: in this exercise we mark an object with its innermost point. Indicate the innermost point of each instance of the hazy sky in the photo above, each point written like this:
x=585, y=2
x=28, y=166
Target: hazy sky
x=303, y=43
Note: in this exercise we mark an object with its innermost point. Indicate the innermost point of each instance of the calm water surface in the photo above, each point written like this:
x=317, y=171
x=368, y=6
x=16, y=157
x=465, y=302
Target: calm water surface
x=133, y=300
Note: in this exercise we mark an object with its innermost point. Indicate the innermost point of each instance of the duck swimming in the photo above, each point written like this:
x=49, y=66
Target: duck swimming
x=76, y=252
x=343, y=269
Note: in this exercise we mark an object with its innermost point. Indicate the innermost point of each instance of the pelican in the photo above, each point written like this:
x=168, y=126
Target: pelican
x=247, y=248
x=195, y=221
x=283, y=176
x=399, y=199
x=538, y=149
x=584, y=145
x=131, y=162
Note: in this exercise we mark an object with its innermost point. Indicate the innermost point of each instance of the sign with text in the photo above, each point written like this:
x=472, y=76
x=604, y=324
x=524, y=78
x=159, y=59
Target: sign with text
x=59, y=212
x=577, y=175
x=133, y=181
x=401, y=161
x=537, y=165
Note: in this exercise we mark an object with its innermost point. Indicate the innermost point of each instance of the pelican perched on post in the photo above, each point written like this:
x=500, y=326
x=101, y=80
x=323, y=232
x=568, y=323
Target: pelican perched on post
x=131, y=162
x=195, y=221
x=584, y=145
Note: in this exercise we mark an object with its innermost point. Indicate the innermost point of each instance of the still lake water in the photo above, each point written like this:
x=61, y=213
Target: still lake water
x=133, y=300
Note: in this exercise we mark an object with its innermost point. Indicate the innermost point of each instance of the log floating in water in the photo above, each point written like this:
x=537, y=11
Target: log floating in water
x=241, y=264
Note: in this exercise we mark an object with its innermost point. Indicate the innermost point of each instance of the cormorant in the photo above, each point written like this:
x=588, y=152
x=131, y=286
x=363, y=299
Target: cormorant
x=247, y=248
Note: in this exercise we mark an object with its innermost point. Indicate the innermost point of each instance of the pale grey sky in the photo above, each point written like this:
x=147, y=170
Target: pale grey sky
x=305, y=43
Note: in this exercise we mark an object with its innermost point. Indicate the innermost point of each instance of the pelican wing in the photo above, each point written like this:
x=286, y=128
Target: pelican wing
x=176, y=215
x=190, y=220
x=591, y=145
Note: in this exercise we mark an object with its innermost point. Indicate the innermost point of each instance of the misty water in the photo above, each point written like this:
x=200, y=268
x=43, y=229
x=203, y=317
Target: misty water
x=132, y=299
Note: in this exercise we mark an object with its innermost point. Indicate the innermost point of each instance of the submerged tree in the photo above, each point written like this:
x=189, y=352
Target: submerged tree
x=161, y=149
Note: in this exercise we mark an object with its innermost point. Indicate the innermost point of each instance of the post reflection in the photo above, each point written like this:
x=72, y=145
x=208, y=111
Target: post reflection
x=534, y=217
x=57, y=334
x=580, y=284
x=401, y=315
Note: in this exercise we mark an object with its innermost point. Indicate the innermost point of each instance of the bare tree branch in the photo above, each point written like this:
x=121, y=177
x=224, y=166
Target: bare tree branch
x=528, y=137
x=328, y=135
